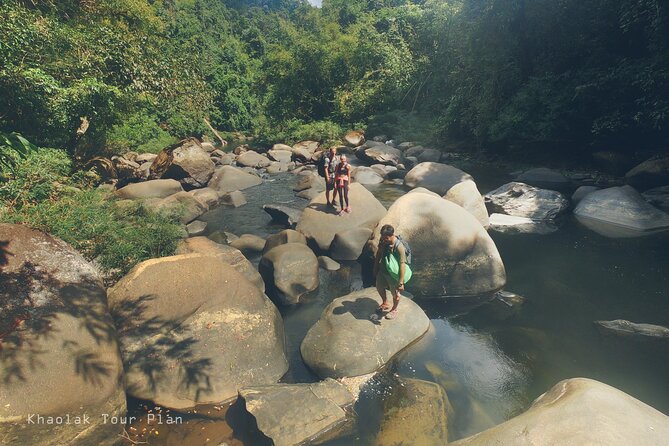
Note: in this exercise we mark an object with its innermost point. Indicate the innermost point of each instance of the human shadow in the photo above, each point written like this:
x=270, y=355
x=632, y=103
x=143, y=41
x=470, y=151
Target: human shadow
x=320, y=207
x=361, y=308
x=157, y=347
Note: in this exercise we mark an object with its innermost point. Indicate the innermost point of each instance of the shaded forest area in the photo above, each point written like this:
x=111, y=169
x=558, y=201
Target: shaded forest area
x=560, y=76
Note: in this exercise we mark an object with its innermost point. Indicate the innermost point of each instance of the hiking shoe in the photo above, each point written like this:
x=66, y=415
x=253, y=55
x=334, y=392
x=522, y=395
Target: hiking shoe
x=391, y=315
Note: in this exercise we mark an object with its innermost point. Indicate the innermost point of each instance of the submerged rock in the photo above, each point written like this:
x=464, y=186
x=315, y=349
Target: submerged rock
x=290, y=271
x=345, y=342
x=522, y=200
x=625, y=328
x=620, y=212
x=291, y=414
x=658, y=197
x=416, y=413
x=453, y=255
x=580, y=411
x=193, y=331
x=509, y=224
x=58, y=347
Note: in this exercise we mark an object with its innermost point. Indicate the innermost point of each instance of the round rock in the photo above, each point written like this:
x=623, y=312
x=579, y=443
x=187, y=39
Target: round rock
x=290, y=271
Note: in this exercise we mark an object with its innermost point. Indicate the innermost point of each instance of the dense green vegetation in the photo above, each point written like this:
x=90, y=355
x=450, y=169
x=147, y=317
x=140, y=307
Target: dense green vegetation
x=543, y=74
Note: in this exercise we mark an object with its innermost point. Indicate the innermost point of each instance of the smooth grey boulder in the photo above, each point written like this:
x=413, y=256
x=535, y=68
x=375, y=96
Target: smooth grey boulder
x=185, y=161
x=466, y=195
x=309, y=146
x=284, y=215
x=228, y=254
x=429, y=155
x=348, y=245
x=320, y=224
x=207, y=196
x=620, y=212
x=149, y=189
x=382, y=169
x=379, y=154
x=406, y=145
x=282, y=156
x=581, y=192
x=290, y=271
x=523, y=200
x=345, y=342
x=283, y=237
x=181, y=206
x=438, y=178
x=229, y=179
x=281, y=147
x=621, y=327
x=415, y=413
x=310, y=180
x=59, y=350
x=658, y=197
x=196, y=227
x=235, y=199
x=248, y=243
x=545, y=178
x=328, y=264
x=194, y=331
x=253, y=159
x=453, y=254
x=510, y=224
x=309, y=194
x=579, y=411
x=276, y=167
x=366, y=175
x=649, y=174
x=291, y=414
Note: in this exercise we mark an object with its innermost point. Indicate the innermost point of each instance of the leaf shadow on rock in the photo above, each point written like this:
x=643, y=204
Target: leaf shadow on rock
x=33, y=304
x=158, y=347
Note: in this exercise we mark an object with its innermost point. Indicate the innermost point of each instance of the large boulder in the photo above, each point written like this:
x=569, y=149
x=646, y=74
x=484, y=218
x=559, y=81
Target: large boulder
x=366, y=175
x=185, y=161
x=651, y=173
x=230, y=255
x=320, y=225
x=348, y=245
x=290, y=271
x=309, y=146
x=620, y=212
x=253, y=159
x=580, y=411
x=545, y=178
x=194, y=331
x=379, y=154
x=149, y=189
x=282, y=156
x=181, y=206
x=291, y=414
x=658, y=197
x=581, y=192
x=208, y=196
x=248, y=243
x=436, y=177
x=429, y=156
x=282, y=238
x=453, y=255
x=284, y=215
x=310, y=180
x=522, y=200
x=467, y=195
x=345, y=342
x=229, y=179
x=355, y=138
x=58, y=346
x=415, y=413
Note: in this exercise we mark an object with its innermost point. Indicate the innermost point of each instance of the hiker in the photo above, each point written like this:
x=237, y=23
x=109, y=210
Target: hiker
x=342, y=179
x=330, y=164
x=391, y=270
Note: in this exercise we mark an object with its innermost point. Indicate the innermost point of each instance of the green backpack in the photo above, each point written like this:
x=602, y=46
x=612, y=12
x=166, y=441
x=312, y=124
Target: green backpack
x=392, y=265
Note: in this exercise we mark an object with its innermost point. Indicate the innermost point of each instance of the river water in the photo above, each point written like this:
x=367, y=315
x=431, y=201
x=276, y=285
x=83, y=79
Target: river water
x=492, y=361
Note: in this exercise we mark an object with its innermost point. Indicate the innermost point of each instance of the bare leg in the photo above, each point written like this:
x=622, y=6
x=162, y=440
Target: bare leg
x=381, y=289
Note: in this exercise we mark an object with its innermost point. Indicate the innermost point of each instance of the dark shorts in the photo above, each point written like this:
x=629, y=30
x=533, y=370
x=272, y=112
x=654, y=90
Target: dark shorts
x=329, y=185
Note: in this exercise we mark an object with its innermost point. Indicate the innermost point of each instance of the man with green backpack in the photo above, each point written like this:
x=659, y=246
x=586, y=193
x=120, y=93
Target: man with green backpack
x=391, y=269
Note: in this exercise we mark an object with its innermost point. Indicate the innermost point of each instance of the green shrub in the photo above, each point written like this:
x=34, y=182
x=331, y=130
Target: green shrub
x=294, y=130
x=39, y=193
x=402, y=125
x=140, y=133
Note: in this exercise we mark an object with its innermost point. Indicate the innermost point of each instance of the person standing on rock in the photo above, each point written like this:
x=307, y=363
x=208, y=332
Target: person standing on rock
x=330, y=164
x=391, y=271
x=342, y=178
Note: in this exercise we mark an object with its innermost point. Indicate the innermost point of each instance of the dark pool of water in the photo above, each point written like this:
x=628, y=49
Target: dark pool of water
x=492, y=364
